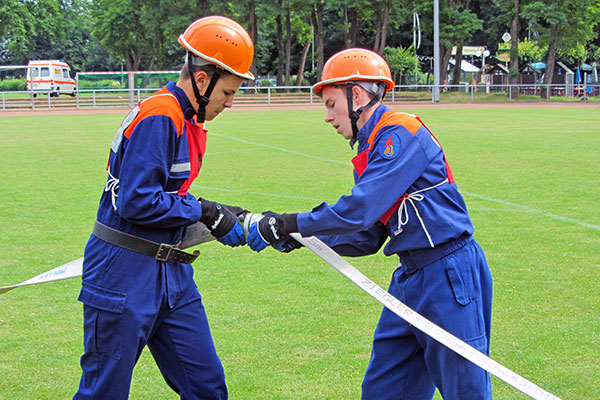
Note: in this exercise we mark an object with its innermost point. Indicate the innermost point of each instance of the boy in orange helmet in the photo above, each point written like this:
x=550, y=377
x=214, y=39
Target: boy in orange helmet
x=404, y=191
x=138, y=288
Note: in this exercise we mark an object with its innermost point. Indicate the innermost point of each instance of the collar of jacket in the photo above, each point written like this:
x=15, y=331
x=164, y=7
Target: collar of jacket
x=364, y=132
x=186, y=106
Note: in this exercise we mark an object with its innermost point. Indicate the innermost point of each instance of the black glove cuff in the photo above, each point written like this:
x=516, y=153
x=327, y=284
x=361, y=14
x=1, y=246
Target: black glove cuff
x=290, y=223
x=209, y=211
x=217, y=218
x=239, y=212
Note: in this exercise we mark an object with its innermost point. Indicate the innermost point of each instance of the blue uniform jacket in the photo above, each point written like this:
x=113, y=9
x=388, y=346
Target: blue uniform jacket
x=147, y=167
x=404, y=159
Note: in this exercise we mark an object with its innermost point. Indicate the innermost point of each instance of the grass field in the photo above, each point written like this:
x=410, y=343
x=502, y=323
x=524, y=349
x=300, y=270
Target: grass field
x=288, y=326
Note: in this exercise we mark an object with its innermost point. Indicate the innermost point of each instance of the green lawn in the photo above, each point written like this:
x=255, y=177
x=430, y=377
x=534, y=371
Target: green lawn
x=288, y=326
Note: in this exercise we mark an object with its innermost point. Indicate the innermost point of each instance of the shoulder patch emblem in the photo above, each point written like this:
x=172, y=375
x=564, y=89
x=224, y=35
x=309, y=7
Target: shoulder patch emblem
x=389, y=145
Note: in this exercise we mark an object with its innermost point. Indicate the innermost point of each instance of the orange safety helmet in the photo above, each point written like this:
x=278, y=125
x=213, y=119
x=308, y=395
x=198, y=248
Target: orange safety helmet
x=221, y=41
x=354, y=65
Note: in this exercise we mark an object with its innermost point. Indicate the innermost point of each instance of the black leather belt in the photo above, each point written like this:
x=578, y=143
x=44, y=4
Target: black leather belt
x=159, y=251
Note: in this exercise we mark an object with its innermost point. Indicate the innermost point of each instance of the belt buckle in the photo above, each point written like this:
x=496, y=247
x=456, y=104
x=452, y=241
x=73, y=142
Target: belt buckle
x=164, y=248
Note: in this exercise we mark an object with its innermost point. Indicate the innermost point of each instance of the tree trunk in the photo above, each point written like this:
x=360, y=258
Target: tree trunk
x=203, y=7
x=288, y=46
x=151, y=63
x=132, y=60
x=317, y=16
x=350, y=26
x=551, y=60
x=456, y=74
x=253, y=27
x=280, y=53
x=300, y=74
x=384, y=25
x=513, y=74
x=354, y=28
x=346, y=27
x=378, y=32
x=445, y=54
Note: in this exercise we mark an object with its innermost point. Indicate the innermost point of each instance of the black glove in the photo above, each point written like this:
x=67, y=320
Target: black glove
x=275, y=227
x=218, y=218
x=239, y=212
x=286, y=245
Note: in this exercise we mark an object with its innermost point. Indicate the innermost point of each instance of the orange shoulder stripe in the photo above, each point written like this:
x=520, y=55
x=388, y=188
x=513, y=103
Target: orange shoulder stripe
x=162, y=102
x=410, y=122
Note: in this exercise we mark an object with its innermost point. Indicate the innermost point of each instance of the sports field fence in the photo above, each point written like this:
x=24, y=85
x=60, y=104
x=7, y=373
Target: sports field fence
x=117, y=97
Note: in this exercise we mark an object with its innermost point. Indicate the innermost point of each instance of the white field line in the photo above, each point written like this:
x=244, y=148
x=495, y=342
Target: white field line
x=281, y=149
x=532, y=210
x=479, y=196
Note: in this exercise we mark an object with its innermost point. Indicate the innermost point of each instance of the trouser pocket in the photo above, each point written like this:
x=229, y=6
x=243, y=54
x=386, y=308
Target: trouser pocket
x=466, y=314
x=102, y=319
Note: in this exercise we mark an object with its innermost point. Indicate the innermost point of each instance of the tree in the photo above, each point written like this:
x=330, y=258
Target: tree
x=382, y=25
x=28, y=29
x=82, y=51
x=457, y=23
x=142, y=32
x=252, y=29
x=117, y=24
x=350, y=10
x=562, y=24
x=529, y=51
x=303, y=32
x=279, y=38
x=317, y=22
x=464, y=23
x=401, y=61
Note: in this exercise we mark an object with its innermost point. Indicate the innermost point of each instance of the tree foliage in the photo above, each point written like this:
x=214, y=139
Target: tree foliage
x=292, y=37
x=529, y=50
x=563, y=24
x=401, y=61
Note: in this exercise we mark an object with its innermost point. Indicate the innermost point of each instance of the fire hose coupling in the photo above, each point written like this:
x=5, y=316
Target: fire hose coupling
x=248, y=219
x=273, y=229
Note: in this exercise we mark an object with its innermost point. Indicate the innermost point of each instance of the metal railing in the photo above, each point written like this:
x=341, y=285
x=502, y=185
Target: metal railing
x=293, y=95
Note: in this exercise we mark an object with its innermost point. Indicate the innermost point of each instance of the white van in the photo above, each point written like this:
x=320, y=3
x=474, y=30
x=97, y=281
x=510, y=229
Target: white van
x=52, y=76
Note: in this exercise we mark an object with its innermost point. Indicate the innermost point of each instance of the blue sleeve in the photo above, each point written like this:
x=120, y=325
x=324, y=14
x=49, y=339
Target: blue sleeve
x=144, y=173
x=360, y=243
x=381, y=184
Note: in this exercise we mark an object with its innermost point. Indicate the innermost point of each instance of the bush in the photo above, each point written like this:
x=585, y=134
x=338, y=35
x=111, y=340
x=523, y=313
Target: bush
x=99, y=84
x=266, y=83
x=13, y=85
x=305, y=81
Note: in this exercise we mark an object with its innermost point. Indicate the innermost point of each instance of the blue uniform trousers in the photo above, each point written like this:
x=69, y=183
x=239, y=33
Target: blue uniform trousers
x=132, y=301
x=454, y=292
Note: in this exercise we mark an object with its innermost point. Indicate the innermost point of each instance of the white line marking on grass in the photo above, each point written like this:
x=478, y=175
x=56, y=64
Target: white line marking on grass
x=508, y=210
x=487, y=198
x=281, y=149
x=532, y=210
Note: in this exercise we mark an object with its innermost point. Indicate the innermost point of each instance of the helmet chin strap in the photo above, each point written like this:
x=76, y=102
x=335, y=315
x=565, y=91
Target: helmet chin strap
x=354, y=115
x=204, y=99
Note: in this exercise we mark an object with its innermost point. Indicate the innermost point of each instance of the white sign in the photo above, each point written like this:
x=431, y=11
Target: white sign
x=469, y=50
x=506, y=37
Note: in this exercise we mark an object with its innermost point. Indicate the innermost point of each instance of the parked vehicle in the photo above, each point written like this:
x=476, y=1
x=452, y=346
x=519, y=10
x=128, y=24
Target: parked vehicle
x=52, y=76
